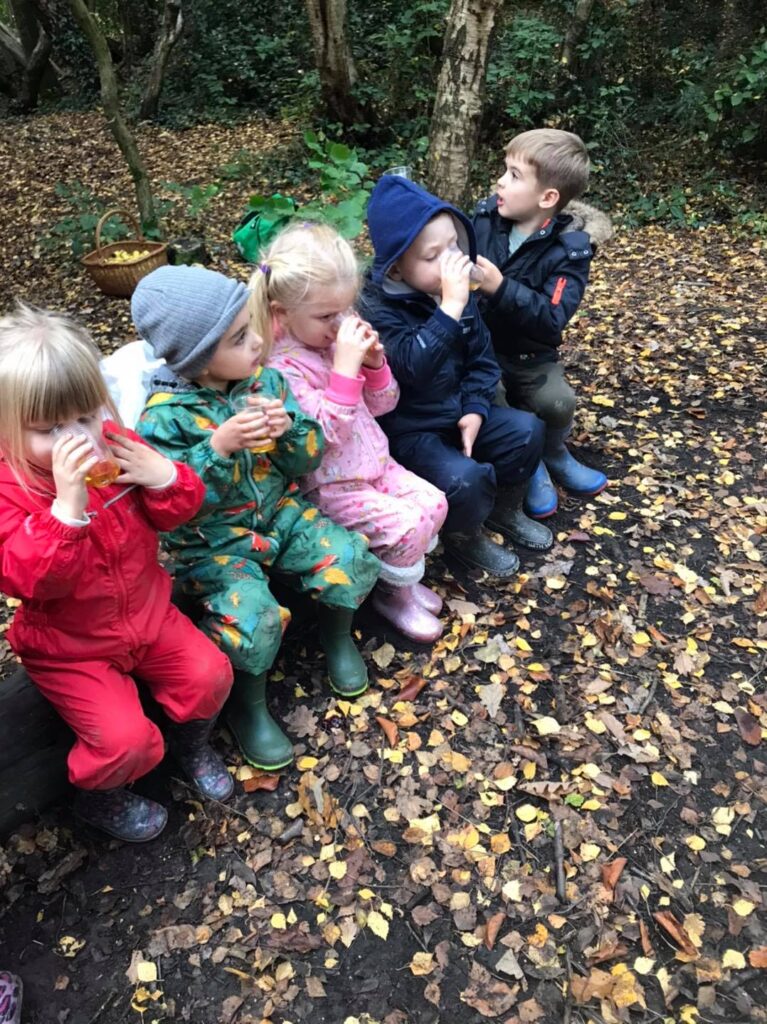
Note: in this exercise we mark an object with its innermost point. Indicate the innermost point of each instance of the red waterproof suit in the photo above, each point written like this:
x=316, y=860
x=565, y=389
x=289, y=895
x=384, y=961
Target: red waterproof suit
x=96, y=611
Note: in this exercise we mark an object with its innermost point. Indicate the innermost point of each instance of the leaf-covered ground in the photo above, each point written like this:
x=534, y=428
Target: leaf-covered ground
x=556, y=814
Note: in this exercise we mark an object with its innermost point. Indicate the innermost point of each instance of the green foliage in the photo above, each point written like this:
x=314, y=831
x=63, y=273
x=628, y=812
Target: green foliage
x=194, y=199
x=342, y=184
x=520, y=82
x=78, y=228
x=735, y=108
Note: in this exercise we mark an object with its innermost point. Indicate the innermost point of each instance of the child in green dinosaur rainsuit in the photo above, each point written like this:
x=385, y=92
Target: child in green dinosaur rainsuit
x=253, y=521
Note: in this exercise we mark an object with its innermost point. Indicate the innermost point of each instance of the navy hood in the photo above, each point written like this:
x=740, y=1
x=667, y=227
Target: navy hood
x=398, y=211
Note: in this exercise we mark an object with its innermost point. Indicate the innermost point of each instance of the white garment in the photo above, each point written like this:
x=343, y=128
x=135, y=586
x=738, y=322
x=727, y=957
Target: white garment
x=128, y=373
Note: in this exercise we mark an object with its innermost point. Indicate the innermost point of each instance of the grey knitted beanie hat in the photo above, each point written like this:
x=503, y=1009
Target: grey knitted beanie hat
x=183, y=312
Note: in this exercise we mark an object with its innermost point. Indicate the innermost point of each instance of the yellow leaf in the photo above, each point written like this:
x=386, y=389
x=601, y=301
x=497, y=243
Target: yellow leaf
x=619, y=516
x=589, y=851
x=603, y=400
x=696, y=843
x=146, y=971
x=733, y=958
x=513, y=891
x=555, y=582
x=459, y=718
x=529, y=770
x=643, y=964
x=641, y=638
x=337, y=869
x=378, y=924
x=527, y=812
x=500, y=843
x=595, y=725
x=305, y=764
x=547, y=726
x=743, y=907
x=658, y=779
x=522, y=644
x=278, y=921
x=422, y=963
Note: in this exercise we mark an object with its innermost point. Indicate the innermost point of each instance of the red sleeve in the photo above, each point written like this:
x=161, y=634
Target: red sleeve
x=40, y=557
x=170, y=506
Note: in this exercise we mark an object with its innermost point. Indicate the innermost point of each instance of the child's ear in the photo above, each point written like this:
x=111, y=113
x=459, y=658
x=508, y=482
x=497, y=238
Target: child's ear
x=394, y=272
x=279, y=312
x=550, y=199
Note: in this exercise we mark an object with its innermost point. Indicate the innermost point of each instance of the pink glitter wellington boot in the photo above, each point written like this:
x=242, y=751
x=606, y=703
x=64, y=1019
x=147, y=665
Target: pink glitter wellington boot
x=427, y=598
x=401, y=607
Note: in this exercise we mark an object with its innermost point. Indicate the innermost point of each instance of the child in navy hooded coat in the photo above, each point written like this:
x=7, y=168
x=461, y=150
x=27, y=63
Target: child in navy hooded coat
x=446, y=427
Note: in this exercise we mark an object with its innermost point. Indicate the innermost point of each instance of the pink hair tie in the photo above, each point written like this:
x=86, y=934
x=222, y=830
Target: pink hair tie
x=265, y=268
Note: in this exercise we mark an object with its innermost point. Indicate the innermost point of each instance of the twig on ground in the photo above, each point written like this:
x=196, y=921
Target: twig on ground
x=559, y=858
x=647, y=697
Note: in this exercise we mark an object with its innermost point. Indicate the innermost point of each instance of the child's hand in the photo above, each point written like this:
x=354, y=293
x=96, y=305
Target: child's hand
x=71, y=458
x=455, y=267
x=248, y=429
x=493, y=278
x=374, y=356
x=352, y=343
x=469, y=426
x=139, y=463
x=278, y=418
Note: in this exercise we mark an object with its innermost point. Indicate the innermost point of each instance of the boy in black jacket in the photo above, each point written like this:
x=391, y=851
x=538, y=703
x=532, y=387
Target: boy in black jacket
x=536, y=270
x=445, y=427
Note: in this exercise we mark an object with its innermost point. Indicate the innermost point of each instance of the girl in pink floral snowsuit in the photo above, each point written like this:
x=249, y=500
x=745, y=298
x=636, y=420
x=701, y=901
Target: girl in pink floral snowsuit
x=338, y=373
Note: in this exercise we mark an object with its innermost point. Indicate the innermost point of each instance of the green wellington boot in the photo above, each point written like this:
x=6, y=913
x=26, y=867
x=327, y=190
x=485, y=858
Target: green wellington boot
x=262, y=742
x=346, y=669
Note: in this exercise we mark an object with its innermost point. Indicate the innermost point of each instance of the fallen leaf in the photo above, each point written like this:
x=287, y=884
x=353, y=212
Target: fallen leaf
x=493, y=927
x=390, y=729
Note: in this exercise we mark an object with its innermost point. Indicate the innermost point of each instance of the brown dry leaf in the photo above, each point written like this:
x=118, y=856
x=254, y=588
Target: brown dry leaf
x=758, y=957
x=492, y=928
x=644, y=935
x=486, y=994
x=390, y=729
x=748, y=727
x=611, y=872
x=598, y=985
x=669, y=923
x=412, y=687
x=262, y=780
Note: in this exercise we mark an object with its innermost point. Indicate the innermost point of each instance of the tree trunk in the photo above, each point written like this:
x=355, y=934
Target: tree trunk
x=25, y=19
x=172, y=27
x=460, y=92
x=327, y=20
x=574, y=34
x=35, y=70
x=119, y=128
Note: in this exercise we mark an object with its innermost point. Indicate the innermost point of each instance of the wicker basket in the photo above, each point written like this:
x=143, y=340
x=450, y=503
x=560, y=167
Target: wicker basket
x=122, y=278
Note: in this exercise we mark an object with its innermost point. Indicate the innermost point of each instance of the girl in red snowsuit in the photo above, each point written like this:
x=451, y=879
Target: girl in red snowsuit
x=82, y=559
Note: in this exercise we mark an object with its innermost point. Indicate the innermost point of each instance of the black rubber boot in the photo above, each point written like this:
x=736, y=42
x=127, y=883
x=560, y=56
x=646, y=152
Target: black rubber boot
x=347, y=671
x=121, y=814
x=508, y=518
x=479, y=551
x=262, y=742
x=188, y=742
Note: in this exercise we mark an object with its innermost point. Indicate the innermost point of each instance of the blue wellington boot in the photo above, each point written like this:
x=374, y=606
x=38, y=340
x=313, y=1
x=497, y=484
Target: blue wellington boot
x=566, y=470
x=541, y=499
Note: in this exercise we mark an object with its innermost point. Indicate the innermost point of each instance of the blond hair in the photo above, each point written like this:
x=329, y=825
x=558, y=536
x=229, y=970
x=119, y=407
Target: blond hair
x=302, y=258
x=49, y=373
x=560, y=159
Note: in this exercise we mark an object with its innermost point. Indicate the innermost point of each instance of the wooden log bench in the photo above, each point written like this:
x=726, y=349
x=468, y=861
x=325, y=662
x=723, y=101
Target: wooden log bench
x=33, y=747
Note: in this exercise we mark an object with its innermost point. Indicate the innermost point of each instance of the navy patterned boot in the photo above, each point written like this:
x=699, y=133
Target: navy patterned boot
x=121, y=814
x=188, y=742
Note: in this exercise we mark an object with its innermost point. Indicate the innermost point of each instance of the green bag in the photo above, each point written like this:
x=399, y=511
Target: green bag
x=259, y=226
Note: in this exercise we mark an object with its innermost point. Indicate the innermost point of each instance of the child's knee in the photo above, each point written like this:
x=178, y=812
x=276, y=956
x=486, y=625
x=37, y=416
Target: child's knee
x=556, y=405
x=210, y=682
x=122, y=749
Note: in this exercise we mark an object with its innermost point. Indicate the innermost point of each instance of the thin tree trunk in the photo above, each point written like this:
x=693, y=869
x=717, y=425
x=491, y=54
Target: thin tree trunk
x=460, y=93
x=327, y=20
x=574, y=34
x=35, y=70
x=109, y=98
x=172, y=27
x=138, y=21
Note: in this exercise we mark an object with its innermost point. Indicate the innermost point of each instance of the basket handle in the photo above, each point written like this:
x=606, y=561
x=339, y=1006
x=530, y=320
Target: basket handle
x=111, y=213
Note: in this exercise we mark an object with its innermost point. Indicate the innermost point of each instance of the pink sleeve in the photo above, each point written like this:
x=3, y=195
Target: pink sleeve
x=345, y=390
x=381, y=389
